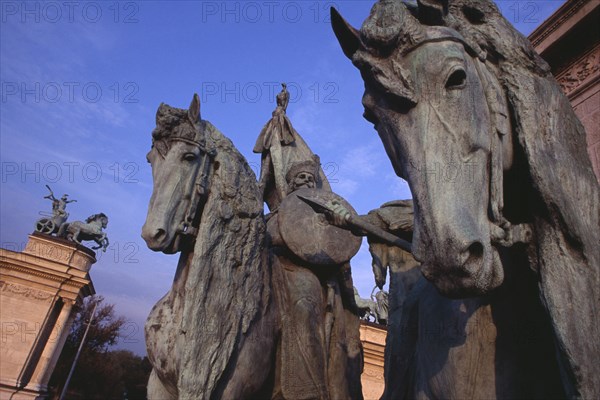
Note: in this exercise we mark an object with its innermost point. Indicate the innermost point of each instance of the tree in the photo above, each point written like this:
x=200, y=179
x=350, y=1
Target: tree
x=99, y=373
x=105, y=328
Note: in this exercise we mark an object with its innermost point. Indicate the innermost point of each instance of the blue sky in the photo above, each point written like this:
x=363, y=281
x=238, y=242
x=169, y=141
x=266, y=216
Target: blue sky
x=81, y=82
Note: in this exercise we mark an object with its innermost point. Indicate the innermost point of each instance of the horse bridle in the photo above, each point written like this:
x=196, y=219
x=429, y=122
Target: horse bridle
x=201, y=187
x=502, y=231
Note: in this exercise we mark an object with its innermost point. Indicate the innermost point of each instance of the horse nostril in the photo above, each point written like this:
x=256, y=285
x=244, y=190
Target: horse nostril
x=475, y=254
x=160, y=233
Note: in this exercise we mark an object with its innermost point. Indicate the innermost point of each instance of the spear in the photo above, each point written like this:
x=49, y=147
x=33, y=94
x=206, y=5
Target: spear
x=320, y=207
x=51, y=192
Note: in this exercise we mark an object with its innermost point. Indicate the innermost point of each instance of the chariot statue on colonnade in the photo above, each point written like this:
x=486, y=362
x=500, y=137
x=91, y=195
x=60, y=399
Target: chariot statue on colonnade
x=77, y=231
x=50, y=225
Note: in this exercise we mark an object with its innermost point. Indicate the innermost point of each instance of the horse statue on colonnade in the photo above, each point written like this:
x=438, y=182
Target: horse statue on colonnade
x=91, y=229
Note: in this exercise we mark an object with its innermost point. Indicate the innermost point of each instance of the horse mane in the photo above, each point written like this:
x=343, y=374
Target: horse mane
x=227, y=287
x=94, y=217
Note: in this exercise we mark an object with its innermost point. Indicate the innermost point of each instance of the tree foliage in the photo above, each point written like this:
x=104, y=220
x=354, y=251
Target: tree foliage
x=99, y=373
x=105, y=328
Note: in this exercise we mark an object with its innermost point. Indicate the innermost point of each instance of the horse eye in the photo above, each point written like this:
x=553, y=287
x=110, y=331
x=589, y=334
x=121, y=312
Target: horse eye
x=189, y=157
x=457, y=80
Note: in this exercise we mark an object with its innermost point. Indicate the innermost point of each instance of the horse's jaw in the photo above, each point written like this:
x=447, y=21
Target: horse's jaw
x=174, y=246
x=473, y=277
x=168, y=247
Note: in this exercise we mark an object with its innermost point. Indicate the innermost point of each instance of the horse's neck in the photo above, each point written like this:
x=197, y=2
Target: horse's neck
x=525, y=342
x=506, y=330
x=181, y=272
x=520, y=287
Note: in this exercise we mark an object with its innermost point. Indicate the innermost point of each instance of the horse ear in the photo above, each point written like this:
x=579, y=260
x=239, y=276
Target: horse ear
x=194, y=111
x=346, y=34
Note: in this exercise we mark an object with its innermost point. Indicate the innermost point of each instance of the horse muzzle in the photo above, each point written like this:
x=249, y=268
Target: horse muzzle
x=158, y=239
x=473, y=270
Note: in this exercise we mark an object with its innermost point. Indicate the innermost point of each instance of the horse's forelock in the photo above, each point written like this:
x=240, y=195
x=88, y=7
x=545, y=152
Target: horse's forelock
x=168, y=116
x=167, y=119
x=392, y=30
x=389, y=26
x=173, y=123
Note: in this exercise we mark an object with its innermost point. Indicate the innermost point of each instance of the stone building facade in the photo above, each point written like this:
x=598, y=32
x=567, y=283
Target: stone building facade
x=569, y=41
x=372, y=337
x=38, y=289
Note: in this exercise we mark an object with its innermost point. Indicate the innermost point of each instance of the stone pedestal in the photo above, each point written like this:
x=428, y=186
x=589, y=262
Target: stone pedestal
x=38, y=289
x=372, y=337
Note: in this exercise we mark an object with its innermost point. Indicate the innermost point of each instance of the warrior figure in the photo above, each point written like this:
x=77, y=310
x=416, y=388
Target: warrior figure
x=320, y=343
x=59, y=205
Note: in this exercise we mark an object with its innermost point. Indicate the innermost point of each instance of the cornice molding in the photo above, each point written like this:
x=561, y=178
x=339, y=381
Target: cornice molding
x=549, y=26
x=66, y=279
x=578, y=73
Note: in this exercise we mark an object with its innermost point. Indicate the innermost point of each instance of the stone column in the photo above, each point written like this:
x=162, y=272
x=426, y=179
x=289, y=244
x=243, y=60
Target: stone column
x=372, y=337
x=53, y=348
